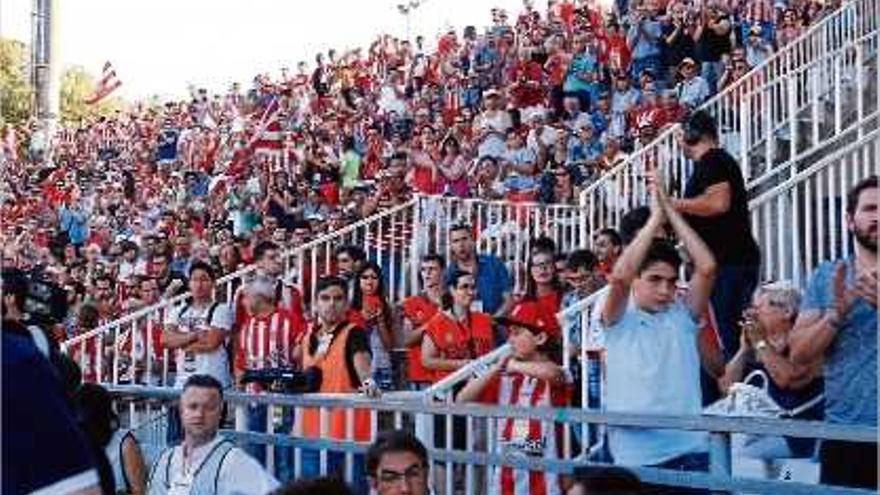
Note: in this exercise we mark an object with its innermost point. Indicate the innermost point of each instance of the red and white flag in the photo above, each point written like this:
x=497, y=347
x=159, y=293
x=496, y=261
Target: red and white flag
x=108, y=84
x=269, y=138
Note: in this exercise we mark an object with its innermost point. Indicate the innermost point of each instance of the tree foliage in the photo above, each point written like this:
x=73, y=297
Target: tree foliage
x=16, y=93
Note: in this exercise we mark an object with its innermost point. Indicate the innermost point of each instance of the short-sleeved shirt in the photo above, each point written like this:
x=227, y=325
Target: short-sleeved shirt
x=851, y=359
x=653, y=367
x=192, y=318
x=728, y=235
x=43, y=450
x=493, y=282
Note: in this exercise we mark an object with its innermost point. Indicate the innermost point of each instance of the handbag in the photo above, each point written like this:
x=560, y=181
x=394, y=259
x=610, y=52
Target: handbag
x=751, y=401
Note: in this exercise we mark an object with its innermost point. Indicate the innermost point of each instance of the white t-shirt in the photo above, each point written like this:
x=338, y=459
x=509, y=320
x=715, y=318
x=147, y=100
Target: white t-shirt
x=192, y=318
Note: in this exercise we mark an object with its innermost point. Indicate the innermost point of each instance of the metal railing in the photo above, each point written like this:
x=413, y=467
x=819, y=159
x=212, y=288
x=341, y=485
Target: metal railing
x=129, y=350
x=802, y=220
x=753, y=111
x=504, y=229
x=482, y=453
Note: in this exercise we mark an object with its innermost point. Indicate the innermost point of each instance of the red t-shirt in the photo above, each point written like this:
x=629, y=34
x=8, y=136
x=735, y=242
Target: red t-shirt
x=418, y=310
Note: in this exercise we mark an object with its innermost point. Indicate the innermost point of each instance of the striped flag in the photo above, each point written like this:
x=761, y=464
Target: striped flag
x=108, y=84
x=269, y=138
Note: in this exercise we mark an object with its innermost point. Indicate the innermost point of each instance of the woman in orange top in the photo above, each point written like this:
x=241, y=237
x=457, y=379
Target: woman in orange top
x=341, y=352
x=455, y=336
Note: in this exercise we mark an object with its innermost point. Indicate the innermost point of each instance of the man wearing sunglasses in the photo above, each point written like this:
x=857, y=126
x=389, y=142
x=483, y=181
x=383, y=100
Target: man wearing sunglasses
x=715, y=205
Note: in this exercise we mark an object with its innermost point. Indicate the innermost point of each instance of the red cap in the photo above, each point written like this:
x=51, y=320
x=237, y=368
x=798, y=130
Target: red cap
x=531, y=315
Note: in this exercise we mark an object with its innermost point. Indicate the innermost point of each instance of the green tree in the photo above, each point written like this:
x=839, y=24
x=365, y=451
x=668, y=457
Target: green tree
x=16, y=92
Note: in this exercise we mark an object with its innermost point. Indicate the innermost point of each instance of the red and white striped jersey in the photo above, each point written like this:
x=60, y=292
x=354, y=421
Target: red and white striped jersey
x=267, y=342
x=525, y=437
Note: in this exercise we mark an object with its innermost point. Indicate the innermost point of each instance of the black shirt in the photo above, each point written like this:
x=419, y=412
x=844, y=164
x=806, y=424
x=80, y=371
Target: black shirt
x=357, y=342
x=728, y=235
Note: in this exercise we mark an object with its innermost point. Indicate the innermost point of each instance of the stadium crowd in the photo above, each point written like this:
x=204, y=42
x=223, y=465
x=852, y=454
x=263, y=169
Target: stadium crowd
x=157, y=201
x=533, y=108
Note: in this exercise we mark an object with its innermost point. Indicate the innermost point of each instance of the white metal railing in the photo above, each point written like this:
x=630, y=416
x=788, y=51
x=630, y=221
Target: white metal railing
x=802, y=221
x=129, y=350
x=504, y=229
x=480, y=450
x=805, y=74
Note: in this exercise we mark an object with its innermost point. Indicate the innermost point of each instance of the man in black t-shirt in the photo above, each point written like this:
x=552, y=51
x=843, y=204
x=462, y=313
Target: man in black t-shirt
x=716, y=206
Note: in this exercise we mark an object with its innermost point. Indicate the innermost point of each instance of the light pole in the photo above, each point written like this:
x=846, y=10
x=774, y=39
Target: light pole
x=406, y=9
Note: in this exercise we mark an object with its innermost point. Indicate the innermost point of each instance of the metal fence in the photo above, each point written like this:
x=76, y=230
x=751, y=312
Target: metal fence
x=813, y=80
x=481, y=454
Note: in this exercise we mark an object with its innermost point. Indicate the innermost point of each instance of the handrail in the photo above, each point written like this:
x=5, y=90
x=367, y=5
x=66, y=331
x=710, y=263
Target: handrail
x=754, y=426
x=465, y=372
x=718, y=97
x=799, y=176
x=171, y=302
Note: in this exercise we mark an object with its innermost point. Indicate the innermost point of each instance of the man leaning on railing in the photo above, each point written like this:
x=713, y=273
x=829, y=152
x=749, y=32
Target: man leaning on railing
x=838, y=321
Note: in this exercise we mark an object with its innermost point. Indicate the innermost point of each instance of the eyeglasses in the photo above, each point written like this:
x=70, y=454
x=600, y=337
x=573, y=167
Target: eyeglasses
x=413, y=473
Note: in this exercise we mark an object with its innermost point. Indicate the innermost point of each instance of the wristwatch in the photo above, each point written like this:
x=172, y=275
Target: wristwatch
x=761, y=345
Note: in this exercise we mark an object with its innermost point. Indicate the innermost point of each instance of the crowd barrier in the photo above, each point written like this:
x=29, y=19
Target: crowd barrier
x=482, y=455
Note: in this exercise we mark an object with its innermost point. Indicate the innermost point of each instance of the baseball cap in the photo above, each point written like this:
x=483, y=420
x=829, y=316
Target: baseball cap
x=528, y=314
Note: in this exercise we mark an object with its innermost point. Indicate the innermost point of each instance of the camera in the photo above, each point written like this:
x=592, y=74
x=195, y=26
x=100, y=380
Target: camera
x=44, y=301
x=285, y=380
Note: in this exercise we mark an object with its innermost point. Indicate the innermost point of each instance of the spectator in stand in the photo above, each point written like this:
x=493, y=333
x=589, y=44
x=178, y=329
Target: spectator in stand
x=458, y=334
x=543, y=286
x=713, y=42
x=195, y=333
x=758, y=49
x=715, y=205
x=530, y=376
x=693, y=90
x=493, y=280
x=417, y=311
x=349, y=260
x=650, y=335
x=789, y=29
x=268, y=339
x=584, y=280
x=397, y=464
x=765, y=349
x=170, y=283
x=370, y=302
x=678, y=38
x=838, y=324
x=645, y=39
x=608, y=246
x=206, y=461
x=340, y=352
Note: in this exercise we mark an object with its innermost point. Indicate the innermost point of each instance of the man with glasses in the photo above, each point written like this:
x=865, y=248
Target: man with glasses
x=397, y=463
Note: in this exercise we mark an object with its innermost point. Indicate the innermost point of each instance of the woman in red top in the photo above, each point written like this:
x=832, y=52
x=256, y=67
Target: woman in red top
x=456, y=335
x=370, y=301
x=417, y=311
x=543, y=286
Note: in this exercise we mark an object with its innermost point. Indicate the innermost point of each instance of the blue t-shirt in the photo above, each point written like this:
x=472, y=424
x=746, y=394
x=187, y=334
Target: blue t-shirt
x=493, y=282
x=851, y=359
x=653, y=367
x=43, y=448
